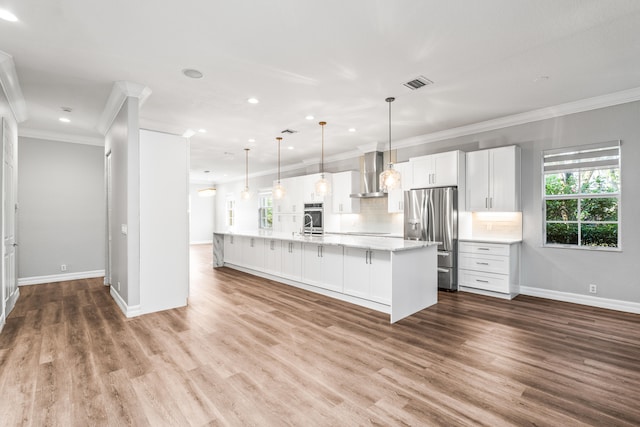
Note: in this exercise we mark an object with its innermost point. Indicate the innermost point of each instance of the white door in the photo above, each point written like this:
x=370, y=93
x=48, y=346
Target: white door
x=9, y=190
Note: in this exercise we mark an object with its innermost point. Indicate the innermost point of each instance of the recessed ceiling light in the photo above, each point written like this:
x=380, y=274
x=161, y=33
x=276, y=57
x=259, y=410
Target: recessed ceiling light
x=352, y=129
x=8, y=16
x=251, y=140
x=192, y=73
x=252, y=100
x=290, y=147
x=202, y=130
x=64, y=119
x=309, y=117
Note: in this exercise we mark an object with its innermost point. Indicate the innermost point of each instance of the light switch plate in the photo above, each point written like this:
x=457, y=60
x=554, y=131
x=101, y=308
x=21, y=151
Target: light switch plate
x=123, y=229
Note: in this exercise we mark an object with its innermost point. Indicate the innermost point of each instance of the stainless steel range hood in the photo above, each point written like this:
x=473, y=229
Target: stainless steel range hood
x=369, y=175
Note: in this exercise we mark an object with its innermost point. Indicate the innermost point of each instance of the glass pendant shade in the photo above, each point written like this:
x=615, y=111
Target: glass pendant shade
x=389, y=178
x=278, y=190
x=207, y=192
x=245, y=194
x=323, y=187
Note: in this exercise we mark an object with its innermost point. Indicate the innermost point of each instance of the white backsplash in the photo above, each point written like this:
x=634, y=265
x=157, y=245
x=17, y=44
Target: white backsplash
x=503, y=225
x=373, y=217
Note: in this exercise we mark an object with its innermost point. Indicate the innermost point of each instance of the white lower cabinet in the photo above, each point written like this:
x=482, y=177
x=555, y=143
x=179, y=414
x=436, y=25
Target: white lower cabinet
x=367, y=274
x=233, y=249
x=492, y=267
x=291, y=260
x=253, y=253
x=322, y=266
x=273, y=256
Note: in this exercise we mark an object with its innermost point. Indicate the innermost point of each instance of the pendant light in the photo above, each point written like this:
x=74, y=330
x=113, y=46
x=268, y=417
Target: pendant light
x=246, y=194
x=323, y=188
x=278, y=189
x=389, y=178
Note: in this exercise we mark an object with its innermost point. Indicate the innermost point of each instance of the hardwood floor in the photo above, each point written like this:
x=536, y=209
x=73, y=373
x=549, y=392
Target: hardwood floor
x=247, y=351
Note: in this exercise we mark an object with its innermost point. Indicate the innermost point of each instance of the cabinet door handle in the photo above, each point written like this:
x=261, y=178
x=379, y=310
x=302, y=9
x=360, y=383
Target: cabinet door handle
x=482, y=281
x=321, y=252
x=491, y=202
x=318, y=250
x=482, y=263
x=434, y=178
x=483, y=249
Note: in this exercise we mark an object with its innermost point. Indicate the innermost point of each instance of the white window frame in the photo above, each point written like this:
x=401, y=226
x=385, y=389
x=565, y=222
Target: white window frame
x=230, y=211
x=265, y=203
x=601, y=156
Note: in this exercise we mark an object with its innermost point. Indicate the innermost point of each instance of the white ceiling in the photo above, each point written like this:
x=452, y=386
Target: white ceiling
x=337, y=60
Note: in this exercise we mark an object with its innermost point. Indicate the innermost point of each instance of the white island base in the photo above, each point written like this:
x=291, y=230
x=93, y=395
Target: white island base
x=392, y=276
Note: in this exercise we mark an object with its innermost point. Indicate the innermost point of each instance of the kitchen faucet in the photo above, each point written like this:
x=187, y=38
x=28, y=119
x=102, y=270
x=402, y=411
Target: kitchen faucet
x=304, y=225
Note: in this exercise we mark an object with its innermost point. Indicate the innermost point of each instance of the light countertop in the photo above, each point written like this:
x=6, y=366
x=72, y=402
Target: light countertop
x=354, y=241
x=507, y=241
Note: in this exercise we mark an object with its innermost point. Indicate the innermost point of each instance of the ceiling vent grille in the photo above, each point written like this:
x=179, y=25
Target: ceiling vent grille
x=289, y=131
x=418, y=82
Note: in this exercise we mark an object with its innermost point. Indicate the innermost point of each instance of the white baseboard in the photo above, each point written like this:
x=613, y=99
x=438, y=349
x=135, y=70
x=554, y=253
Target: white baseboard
x=612, y=304
x=37, y=280
x=129, y=311
x=201, y=242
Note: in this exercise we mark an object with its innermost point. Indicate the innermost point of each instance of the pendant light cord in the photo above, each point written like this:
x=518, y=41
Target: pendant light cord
x=390, y=100
x=246, y=181
x=322, y=151
x=279, y=138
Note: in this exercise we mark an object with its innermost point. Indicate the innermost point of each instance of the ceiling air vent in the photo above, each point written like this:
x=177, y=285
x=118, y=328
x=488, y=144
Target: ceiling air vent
x=418, y=82
x=289, y=131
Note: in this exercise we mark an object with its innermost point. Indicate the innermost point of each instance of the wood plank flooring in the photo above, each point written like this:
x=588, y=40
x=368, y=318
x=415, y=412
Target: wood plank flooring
x=248, y=351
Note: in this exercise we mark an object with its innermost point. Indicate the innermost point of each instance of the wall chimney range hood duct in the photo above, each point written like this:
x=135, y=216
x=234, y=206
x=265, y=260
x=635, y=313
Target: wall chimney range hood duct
x=371, y=168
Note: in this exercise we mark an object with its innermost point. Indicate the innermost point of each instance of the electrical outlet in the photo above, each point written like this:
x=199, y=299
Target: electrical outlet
x=593, y=289
x=63, y=267
x=118, y=286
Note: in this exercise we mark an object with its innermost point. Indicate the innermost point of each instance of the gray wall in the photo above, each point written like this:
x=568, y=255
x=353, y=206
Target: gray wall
x=62, y=207
x=122, y=140
x=201, y=215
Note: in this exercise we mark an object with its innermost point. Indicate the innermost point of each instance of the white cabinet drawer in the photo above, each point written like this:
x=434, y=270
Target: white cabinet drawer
x=486, y=281
x=484, y=248
x=484, y=263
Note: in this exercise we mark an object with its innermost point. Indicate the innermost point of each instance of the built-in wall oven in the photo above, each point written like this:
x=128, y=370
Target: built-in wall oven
x=313, y=221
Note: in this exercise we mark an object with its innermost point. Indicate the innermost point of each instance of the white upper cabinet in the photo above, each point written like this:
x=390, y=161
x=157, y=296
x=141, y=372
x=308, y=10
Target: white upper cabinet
x=493, y=180
x=436, y=170
x=395, y=200
x=344, y=184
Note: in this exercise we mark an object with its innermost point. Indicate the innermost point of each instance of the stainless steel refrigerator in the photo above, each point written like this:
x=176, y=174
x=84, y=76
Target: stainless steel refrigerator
x=431, y=214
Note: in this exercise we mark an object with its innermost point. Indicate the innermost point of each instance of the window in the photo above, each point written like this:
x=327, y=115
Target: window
x=231, y=208
x=581, y=199
x=266, y=210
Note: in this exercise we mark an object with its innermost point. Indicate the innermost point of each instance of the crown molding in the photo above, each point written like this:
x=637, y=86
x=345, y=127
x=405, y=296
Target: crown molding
x=121, y=90
x=60, y=137
x=588, y=104
x=11, y=86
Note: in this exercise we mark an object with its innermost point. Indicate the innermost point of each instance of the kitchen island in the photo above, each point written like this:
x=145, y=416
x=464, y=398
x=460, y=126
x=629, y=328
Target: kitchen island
x=395, y=276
